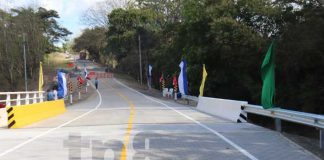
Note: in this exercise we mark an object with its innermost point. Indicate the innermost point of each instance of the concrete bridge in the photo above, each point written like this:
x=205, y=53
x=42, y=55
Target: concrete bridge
x=118, y=122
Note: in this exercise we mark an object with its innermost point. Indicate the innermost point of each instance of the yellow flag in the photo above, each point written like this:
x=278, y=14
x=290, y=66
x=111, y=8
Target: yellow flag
x=202, y=86
x=41, y=80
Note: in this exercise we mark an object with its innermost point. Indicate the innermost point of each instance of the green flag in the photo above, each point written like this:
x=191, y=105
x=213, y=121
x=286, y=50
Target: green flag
x=268, y=78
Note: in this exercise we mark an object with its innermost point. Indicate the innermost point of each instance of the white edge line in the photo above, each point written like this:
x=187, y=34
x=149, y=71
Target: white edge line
x=240, y=149
x=53, y=129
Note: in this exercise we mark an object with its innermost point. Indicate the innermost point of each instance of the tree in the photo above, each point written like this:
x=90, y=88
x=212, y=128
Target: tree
x=40, y=30
x=231, y=38
x=125, y=29
x=92, y=40
x=96, y=16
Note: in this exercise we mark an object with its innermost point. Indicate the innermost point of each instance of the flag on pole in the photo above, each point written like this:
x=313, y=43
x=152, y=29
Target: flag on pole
x=62, y=85
x=80, y=80
x=175, y=81
x=268, y=78
x=41, y=78
x=150, y=70
x=161, y=78
x=149, y=77
x=182, y=80
x=202, y=86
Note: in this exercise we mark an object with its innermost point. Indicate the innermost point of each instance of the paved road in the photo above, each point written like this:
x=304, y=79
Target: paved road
x=120, y=123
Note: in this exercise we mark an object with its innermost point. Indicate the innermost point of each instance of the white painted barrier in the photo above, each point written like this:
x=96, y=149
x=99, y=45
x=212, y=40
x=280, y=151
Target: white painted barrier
x=22, y=98
x=3, y=117
x=18, y=99
x=167, y=92
x=227, y=109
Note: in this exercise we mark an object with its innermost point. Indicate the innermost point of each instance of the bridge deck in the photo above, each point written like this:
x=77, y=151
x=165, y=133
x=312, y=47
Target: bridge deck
x=157, y=129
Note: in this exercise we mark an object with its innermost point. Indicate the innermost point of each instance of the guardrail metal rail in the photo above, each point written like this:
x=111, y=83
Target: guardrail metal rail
x=308, y=119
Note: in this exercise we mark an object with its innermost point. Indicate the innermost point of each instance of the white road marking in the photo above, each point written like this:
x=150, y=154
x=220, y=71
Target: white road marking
x=147, y=144
x=240, y=149
x=53, y=129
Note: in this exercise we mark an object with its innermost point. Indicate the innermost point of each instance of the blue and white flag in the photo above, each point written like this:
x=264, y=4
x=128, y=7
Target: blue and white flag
x=182, y=80
x=150, y=70
x=149, y=76
x=62, y=86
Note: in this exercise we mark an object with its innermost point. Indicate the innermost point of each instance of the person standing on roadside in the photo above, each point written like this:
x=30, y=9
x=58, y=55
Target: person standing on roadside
x=96, y=83
x=50, y=95
x=55, y=93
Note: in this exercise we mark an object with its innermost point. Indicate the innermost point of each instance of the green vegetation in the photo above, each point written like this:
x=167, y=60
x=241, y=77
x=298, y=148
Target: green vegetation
x=231, y=37
x=91, y=40
x=37, y=30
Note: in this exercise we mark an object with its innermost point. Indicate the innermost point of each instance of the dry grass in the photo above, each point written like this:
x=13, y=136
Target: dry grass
x=51, y=63
x=55, y=60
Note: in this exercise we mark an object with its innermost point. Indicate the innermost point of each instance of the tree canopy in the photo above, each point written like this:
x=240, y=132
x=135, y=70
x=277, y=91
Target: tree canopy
x=38, y=30
x=231, y=37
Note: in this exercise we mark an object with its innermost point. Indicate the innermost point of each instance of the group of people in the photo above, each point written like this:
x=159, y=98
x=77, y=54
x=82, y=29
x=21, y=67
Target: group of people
x=52, y=94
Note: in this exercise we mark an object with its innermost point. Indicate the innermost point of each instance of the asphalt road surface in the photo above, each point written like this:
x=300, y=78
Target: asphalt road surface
x=118, y=122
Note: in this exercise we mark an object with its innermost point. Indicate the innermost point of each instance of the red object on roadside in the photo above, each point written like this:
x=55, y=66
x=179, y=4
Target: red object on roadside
x=2, y=105
x=161, y=78
x=80, y=80
x=175, y=81
x=70, y=64
x=92, y=73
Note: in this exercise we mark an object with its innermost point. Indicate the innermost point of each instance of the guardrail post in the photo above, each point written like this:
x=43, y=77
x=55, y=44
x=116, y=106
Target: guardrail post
x=27, y=99
x=322, y=139
x=278, y=125
x=41, y=97
x=71, y=98
x=35, y=98
x=79, y=95
x=86, y=87
x=8, y=101
x=18, y=100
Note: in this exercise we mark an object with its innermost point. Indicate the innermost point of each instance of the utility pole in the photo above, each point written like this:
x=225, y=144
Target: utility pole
x=5, y=36
x=25, y=63
x=140, y=58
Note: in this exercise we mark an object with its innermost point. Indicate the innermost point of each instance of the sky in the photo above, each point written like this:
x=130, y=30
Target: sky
x=70, y=11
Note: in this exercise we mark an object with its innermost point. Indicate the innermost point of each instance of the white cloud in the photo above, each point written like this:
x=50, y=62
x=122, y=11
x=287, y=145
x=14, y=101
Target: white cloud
x=54, y=5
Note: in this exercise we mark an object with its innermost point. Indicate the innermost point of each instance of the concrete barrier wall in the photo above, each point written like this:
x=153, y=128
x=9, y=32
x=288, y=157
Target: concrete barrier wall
x=227, y=109
x=21, y=116
x=3, y=117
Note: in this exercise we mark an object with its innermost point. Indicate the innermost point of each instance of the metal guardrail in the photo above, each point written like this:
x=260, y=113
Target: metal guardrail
x=309, y=119
x=313, y=120
x=22, y=97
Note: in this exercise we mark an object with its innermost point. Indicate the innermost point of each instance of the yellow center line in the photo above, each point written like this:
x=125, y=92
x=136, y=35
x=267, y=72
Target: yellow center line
x=123, y=154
